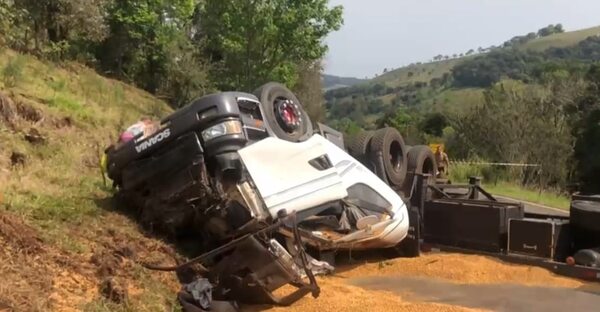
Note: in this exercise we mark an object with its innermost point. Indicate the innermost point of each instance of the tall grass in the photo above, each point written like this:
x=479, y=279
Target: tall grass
x=12, y=73
x=506, y=181
x=490, y=174
x=544, y=197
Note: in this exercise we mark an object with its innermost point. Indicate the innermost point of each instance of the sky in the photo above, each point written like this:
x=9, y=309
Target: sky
x=380, y=34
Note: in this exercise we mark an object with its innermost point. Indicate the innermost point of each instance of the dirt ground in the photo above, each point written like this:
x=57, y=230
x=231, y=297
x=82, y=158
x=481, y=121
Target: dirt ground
x=63, y=282
x=339, y=294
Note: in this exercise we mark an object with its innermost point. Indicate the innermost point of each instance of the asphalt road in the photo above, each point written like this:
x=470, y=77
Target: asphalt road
x=536, y=208
x=494, y=297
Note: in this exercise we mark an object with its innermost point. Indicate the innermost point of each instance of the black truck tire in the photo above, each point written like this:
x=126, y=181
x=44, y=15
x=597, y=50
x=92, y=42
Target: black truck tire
x=420, y=159
x=388, y=143
x=358, y=146
x=278, y=99
x=585, y=224
x=588, y=257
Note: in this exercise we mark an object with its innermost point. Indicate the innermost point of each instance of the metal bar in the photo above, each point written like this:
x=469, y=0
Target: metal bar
x=453, y=186
x=493, y=164
x=214, y=252
x=476, y=202
x=435, y=188
x=484, y=192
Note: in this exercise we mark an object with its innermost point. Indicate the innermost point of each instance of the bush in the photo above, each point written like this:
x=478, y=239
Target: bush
x=460, y=173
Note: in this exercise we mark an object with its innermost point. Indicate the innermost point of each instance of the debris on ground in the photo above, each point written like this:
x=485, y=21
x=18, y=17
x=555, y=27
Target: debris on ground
x=35, y=137
x=8, y=111
x=461, y=268
x=113, y=290
x=458, y=268
x=5, y=307
x=17, y=159
x=19, y=235
x=107, y=263
x=340, y=296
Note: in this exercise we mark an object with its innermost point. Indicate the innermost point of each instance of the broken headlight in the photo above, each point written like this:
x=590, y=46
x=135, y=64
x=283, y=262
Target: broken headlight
x=221, y=129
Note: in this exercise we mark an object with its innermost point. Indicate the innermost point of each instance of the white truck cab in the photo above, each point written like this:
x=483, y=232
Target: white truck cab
x=310, y=175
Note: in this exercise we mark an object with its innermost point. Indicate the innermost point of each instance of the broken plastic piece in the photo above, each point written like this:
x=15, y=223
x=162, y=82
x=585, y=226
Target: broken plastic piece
x=201, y=291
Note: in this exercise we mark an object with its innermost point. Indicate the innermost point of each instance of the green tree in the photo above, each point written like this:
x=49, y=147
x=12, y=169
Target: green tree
x=587, y=133
x=141, y=34
x=186, y=72
x=309, y=90
x=347, y=126
x=434, y=124
x=399, y=119
x=56, y=27
x=256, y=41
x=525, y=124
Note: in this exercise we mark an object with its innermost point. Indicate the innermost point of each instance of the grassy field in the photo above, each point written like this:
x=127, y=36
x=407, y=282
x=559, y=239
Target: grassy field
x=561, y=40
x=495, y=181
x=417, y=73
x=546, y=198
x=59, y=231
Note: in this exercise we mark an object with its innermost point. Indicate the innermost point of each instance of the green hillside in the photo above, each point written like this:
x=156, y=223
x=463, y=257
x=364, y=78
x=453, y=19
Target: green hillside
x=61, y=238
x=424, y=72
x=494, y=104
x=416, y=73
x=432, y=87
x=331, y=82
x=561, y=40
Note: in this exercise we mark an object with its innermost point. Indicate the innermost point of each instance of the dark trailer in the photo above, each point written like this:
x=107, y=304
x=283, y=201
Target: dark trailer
x=467, y=219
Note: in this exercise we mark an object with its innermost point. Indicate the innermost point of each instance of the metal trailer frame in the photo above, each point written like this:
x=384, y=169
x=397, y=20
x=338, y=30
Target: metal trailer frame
x=423, y=193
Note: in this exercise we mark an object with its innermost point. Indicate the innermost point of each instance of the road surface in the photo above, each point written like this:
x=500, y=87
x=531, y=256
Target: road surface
x=536, y=208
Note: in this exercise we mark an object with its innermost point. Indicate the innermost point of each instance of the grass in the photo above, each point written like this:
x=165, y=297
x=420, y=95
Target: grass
x=546, y=198
x=12, y=73
x=497, y=180
x=59, y=191
x=426, y=71
x=565, y=39
x=417, y=73
x=456, y=101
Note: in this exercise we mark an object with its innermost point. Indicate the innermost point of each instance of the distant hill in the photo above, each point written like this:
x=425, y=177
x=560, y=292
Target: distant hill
x=433, y=86
x=424, y=72
x=562, y=40
x=331, y=82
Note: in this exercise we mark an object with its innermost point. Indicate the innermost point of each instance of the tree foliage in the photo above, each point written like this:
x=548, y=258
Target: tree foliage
x=55, y=27
x=256, y=41
x=308, y=89
x=525, y=124
x=178, y=49
x=486, y=70
x=141, y=32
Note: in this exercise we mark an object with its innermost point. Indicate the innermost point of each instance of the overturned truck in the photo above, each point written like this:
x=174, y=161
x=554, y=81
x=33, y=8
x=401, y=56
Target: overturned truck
x=262, y=192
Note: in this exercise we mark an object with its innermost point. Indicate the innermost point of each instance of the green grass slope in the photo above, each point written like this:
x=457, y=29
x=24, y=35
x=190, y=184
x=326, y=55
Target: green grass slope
x=416, y=73
x=456, y=101
x=561, y=40
x=61, y=238
x=427, y=71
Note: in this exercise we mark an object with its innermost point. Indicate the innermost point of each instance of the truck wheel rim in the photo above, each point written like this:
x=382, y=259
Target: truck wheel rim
x=288, y=114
